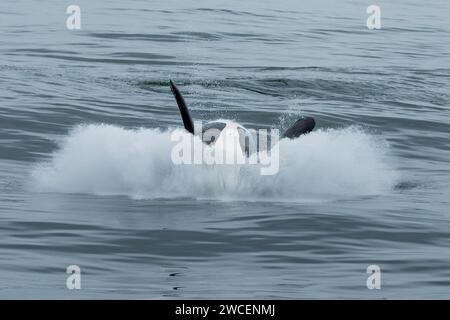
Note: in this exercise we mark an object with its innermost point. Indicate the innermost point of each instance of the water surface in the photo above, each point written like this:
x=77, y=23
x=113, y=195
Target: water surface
x=85, y=176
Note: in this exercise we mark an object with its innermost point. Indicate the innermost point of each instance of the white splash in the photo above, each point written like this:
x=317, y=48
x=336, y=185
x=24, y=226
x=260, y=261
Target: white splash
x=110, y=160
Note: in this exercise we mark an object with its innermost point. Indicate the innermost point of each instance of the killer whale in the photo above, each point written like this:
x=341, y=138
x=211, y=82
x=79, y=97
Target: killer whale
x=302, y=126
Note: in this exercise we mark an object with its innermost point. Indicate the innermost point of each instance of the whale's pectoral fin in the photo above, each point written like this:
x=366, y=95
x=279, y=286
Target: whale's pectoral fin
x=301, y=126
x=187, y=120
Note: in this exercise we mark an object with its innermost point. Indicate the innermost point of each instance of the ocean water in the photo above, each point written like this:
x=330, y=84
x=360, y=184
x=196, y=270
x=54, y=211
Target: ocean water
x=86, y=177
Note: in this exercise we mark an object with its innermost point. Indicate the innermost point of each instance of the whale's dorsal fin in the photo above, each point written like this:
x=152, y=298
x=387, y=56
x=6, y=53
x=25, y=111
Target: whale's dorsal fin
x=187, y=120
x=301, y=126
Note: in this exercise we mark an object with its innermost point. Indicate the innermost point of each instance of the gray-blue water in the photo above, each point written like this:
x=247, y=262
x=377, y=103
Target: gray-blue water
x=85, y=171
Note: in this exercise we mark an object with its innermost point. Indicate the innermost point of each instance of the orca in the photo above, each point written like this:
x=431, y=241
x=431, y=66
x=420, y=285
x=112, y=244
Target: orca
x=218, y=132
